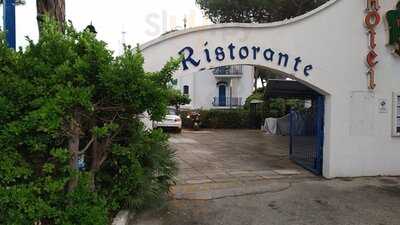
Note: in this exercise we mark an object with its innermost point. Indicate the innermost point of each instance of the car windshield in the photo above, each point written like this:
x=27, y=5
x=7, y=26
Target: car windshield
x=172, y=112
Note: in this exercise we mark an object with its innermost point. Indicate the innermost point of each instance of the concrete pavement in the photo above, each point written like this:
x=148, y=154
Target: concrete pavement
x=363, y=201
x=218, y=163
x=239, y=177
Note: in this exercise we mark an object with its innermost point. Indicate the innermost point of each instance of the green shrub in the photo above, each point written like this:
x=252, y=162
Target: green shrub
x=138, y=175
x=274, y=107
x=257, y=95
x=84, y=206
x=242, y=118
x=224, y=119
x=64, y=100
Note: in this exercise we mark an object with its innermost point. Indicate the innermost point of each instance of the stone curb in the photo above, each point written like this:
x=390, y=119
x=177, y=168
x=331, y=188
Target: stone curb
x=214, y=191
x=123, y=218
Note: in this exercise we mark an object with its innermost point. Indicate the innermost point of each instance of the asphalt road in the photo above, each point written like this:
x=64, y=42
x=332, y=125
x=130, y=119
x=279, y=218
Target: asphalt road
x=362, y=201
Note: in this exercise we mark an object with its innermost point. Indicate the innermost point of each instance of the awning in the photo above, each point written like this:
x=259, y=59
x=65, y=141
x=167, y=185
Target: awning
x=288, y=89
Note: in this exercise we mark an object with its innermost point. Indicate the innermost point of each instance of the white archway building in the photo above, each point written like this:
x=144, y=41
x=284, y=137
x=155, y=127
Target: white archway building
x=325, y=49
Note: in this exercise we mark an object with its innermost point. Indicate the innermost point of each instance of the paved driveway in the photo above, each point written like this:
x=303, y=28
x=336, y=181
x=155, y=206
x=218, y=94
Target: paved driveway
x=218, y=163
x=237, y=177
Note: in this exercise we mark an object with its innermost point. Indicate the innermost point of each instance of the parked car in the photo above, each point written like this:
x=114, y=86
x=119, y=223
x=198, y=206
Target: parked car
x=171, y=121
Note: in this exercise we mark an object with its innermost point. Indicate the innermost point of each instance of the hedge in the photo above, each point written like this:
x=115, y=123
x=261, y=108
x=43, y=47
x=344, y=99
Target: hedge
x=224, y=119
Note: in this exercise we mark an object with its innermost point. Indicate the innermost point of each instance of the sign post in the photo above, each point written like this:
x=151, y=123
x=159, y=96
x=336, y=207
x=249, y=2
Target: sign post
x=9, y=22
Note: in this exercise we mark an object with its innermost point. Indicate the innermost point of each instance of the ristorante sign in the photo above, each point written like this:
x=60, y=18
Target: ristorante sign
x=248, y=52
x=372, y=20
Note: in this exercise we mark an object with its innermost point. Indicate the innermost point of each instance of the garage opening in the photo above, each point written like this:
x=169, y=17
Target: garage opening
x=304, y=126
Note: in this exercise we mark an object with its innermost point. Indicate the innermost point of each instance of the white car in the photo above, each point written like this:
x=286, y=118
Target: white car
x=171, y=121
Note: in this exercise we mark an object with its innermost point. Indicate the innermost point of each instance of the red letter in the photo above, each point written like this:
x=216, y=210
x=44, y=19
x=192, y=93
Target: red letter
x=372, y=19
x=372, y=42
x=371, y=59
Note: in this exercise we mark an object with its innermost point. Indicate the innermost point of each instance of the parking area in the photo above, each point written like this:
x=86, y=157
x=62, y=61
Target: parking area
x=217, y=163
x=233, y=177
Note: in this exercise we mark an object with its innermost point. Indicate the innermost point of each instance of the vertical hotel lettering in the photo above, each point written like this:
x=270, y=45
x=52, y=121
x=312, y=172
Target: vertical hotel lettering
x=372, y=20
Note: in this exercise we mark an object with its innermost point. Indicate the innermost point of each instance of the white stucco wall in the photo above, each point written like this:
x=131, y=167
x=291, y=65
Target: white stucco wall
x=358, y=140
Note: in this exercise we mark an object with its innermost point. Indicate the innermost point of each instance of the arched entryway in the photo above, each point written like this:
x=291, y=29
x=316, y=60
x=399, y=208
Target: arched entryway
x=324, y=50
x=224, y=46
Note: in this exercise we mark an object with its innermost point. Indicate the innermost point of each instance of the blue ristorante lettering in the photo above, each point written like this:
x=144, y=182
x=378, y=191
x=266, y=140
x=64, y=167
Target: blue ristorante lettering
x=285, y=57
x=256, y=50
x=297, y=63
x=207, y=52
x=269, y=55
x=231, y=48
x=243, y=52
x=220, y=54
x=188, y=58
x=307, y=70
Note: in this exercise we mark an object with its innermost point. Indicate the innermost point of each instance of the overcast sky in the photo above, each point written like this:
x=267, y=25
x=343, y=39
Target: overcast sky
x=142, y=20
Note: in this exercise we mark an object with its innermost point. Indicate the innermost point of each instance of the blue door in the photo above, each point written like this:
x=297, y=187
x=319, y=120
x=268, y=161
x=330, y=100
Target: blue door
x=307, y=136
x=222, y=95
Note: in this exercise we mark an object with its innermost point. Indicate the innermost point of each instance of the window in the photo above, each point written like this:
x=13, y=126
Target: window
x=186, y=90
x=172, y=112
x=396, y=114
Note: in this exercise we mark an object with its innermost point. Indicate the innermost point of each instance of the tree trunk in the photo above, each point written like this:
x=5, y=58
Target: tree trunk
x=73, y=147
x=54, y=9
x=94, y=166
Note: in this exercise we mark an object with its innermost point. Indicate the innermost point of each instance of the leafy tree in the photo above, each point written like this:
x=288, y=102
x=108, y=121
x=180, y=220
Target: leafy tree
x=71, y=145
x=176, y=98
x=258, y=94
x=255, y=11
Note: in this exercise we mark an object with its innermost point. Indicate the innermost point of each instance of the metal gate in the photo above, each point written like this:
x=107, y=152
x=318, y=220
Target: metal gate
x=307, y=136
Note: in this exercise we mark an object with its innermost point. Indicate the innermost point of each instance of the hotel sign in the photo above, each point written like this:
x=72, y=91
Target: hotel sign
x=372, y=20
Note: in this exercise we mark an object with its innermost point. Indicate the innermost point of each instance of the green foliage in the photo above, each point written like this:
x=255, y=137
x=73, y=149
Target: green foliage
x=244, y=118
x=228, y=119
x=275, y=107
x=224, y=119
x=138, y=175
x=88, y=207
x=255, y=11
x=66, y=97
x=176, y=98
x=257, y=95
x=279, y=107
